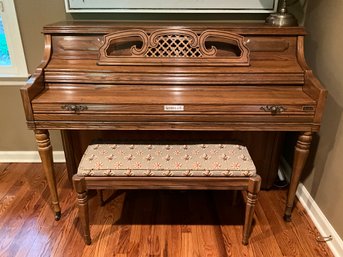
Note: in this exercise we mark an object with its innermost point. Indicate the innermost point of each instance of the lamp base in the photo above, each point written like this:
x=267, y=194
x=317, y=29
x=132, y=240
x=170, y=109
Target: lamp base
x=282, y=19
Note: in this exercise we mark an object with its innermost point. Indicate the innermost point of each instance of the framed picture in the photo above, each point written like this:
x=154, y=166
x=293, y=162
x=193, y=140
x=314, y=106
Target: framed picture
x=172, y=6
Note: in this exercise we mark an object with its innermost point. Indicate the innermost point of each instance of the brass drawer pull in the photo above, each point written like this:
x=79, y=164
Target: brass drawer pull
x=74, y=108
x=273, y=109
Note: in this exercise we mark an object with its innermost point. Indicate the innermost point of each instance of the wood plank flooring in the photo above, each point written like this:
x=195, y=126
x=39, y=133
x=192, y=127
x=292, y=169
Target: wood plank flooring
x=145, y=223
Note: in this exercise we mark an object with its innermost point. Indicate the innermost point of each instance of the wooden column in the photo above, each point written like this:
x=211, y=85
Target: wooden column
x=252, y=192
x=302, y=150
x=45, y=152
x=82, y=200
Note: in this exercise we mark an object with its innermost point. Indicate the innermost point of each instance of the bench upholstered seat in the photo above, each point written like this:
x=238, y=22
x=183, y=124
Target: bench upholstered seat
x=177, y=160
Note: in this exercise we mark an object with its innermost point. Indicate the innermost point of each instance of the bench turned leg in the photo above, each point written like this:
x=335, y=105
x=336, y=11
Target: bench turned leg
x=252, y=192
x=82, y=200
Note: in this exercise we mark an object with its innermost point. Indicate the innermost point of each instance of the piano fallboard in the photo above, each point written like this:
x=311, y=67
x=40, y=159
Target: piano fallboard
x=217, y=107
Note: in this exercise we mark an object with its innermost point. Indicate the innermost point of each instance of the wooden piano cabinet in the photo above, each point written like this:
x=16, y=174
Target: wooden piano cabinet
x=163, y=80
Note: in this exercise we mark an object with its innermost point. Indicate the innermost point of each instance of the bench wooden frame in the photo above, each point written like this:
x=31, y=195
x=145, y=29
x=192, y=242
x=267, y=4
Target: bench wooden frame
x=250, y=184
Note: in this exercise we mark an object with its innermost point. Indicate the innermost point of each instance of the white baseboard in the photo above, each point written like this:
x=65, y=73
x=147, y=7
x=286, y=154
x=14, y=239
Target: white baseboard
x=27, y=156
x=317, y=216
x=320, y=221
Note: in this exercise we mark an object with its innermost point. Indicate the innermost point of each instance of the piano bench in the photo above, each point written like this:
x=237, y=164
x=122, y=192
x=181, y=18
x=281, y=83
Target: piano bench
x=174, y=166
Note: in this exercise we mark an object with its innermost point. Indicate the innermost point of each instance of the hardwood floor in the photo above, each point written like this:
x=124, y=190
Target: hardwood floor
x=145, y=223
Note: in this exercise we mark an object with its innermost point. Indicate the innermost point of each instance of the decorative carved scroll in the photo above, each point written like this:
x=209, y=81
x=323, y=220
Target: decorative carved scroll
x=174, y=47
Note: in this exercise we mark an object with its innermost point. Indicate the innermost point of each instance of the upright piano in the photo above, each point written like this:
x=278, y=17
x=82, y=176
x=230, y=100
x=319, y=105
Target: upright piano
x=185, y=80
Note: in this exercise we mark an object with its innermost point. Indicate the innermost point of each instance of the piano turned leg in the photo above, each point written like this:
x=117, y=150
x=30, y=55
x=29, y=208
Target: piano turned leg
x=301, y=153
x=45, y=152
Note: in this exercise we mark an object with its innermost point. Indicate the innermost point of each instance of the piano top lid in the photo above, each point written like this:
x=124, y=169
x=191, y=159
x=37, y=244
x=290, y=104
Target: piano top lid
x=158, y=52
x=105, y=26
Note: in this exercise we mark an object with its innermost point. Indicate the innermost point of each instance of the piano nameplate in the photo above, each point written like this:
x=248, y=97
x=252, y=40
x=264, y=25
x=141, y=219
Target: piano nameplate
x=174, y=108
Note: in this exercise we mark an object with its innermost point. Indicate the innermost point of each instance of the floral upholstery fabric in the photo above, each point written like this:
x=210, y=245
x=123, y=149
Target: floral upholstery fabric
x=166, y=160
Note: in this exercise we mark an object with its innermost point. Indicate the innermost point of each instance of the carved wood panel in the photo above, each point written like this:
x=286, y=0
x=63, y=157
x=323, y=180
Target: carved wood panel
x=174, y=47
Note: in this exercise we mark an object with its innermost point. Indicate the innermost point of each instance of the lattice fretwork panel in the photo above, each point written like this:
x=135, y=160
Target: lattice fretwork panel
x=173, y=46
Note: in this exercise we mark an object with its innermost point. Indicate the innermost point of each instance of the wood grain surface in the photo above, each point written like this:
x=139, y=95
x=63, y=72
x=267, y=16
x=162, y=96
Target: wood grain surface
x=145, y=222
